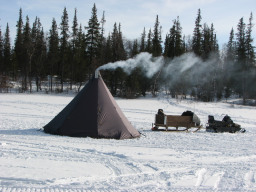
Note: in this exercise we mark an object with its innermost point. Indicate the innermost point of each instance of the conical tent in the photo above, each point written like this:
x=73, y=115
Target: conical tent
x=92, y=113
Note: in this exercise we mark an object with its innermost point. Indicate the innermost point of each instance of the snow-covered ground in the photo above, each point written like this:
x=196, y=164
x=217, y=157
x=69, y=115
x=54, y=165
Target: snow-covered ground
x=31, y=160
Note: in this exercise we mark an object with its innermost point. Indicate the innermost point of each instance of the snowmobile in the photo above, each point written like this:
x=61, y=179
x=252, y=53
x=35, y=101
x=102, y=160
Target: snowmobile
x=226, y=125
x=186, y=121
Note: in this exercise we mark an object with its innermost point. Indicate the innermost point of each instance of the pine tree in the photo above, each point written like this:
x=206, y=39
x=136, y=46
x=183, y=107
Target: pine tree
x=197, y=35
x=64, y=32
x=93, y=40
x=157, y=40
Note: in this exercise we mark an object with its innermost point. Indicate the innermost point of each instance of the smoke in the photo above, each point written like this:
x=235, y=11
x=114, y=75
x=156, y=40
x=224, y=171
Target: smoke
x=190, y=68
x=149, y=64
x=187, y=67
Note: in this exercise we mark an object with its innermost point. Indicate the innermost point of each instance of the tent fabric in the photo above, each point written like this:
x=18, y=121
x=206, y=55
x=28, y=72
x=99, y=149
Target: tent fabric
x=92, y=113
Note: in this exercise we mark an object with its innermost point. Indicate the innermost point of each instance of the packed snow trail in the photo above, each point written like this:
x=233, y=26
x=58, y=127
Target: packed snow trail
x=31, y=160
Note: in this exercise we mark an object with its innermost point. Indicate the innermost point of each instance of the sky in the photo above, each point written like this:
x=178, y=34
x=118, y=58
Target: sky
x=133, y=15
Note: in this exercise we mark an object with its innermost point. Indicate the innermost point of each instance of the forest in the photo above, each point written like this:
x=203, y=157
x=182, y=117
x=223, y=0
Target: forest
x=65, y=57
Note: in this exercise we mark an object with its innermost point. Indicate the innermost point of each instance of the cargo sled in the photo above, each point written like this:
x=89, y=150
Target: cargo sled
x=176, y=122
x=226, y=125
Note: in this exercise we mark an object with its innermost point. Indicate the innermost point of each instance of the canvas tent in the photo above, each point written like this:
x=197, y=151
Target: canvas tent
x=92, y=113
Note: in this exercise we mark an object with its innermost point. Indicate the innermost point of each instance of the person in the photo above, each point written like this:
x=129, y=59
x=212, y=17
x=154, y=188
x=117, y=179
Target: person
x=160, y=112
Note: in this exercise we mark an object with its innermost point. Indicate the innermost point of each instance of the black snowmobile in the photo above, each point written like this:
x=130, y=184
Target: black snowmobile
x=226, y=125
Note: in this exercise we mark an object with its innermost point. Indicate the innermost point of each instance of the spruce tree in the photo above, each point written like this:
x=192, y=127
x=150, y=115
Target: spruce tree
x=250, y=54
x=206, y=42
x=174, y=45
x=1, y=52
x=179, y=45
x=115, y=42
x=103, y=21
x=170, y=42
x=34, y=34
x=102, y=44
x=74, y=48
x=231, y=47
x=149, y=44
x=7, y=51
x=250, y=58
x=53, y=52
x=241, y=64
x=81, y=68
x=93, y=39
x=120, y=45
x=64, y=40
x=27, y=51
x=157, y=40
x=213, y=40
x=228, y=69
x=39, y=56
x=166, y=45
x=135, y=48
x=108, y=50
x=117, y=45
x=142, y=41
x=18, y=47
x=197, y=35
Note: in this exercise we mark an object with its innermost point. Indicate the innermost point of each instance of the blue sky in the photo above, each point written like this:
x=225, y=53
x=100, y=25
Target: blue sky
x=134, y=15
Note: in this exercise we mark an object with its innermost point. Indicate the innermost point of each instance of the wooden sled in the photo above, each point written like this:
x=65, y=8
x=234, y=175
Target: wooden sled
x=175, y=122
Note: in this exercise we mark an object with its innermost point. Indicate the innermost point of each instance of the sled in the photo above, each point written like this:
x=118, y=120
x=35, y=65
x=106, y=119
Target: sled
x=226, y=125
x=184, y=122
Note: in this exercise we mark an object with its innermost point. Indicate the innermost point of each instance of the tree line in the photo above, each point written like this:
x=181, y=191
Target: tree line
x=69, y=55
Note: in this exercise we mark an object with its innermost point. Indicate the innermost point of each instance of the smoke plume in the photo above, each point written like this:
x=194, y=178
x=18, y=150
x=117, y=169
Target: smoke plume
x=187, y=66
x=144, y=60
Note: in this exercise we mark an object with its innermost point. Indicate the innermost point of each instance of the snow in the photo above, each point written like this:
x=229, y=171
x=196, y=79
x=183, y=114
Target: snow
x=31, y=160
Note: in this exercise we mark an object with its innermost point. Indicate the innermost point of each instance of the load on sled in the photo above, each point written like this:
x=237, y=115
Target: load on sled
x=182, y=122
x=226, y=125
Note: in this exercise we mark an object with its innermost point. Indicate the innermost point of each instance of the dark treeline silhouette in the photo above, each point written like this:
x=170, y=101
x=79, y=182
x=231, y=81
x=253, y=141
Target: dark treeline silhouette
x=67, y=55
